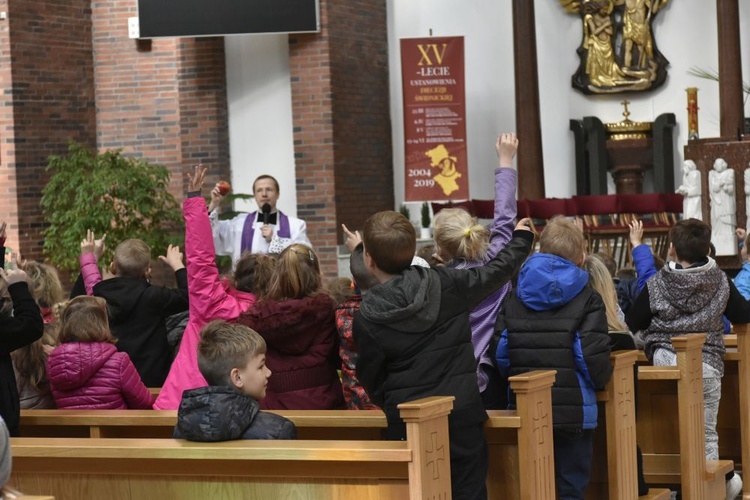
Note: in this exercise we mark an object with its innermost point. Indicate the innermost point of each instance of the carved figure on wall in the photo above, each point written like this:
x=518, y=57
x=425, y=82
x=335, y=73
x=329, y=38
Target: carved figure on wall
x=691, y=191
x=618, y=52
x=723, y=208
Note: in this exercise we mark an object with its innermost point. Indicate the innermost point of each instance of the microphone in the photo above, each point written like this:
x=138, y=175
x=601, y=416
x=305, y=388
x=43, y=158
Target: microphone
x=266, y=209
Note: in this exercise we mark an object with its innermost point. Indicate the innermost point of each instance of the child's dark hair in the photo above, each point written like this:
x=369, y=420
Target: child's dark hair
x=225, y=346
x=390, y=239
x=360, y=274
x=253, y=273
x=427, y=253
x=340, y=289
x=607, y=259
x=691, y=239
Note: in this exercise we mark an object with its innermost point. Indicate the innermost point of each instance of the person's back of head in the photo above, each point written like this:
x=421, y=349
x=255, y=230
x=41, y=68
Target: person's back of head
x=84, y=319
x=253, y=273
x=132, y=259
x=233, y=355
x=690, y=239
x=601, y=281
x=608, y=261
x=459, y=236
x=44, y=284
x=360, y=274
x=297, y=274
x=390, y=240
x=563, y=238
x=30, y=361
x=340, y=289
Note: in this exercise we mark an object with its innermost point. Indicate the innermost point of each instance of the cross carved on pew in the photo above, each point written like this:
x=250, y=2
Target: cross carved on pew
x=434, y=448
x=624, y=400
x=540, y=422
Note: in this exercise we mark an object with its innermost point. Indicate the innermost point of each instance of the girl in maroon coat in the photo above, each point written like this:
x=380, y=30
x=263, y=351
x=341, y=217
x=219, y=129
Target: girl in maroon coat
x=86, y=371
x=297, y=320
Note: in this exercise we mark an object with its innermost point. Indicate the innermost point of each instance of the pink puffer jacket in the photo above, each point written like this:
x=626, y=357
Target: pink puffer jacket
x=94, y=376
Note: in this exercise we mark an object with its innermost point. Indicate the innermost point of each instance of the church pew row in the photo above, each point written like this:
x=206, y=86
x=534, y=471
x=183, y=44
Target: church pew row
x=734, y=410
x=504, y=431
x=671, y=424
x=529, y=425
x=85, y=468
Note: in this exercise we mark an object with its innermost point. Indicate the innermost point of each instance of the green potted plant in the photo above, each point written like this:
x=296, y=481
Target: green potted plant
x=108, y=193
x=425, y=231
x=404, y=210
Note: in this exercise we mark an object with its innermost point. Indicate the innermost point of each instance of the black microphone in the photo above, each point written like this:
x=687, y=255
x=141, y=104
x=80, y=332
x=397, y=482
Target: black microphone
x=266, y=209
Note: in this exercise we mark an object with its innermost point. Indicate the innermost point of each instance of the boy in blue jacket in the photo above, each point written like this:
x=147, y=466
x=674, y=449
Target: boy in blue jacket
x=554, y=320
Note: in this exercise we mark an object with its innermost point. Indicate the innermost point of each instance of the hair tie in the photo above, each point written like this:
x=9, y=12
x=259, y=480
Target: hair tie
x=467, y=232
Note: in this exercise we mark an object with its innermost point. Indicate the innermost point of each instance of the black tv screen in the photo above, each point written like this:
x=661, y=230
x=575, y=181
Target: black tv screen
x=189, y=18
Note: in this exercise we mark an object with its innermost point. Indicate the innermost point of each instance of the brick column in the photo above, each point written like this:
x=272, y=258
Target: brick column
x=340, y=107
x=47, y=82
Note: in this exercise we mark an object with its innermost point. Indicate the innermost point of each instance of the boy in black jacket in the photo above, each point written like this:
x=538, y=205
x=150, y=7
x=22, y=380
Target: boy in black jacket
x=554, y=320
x=414, y=339
x=137, y=309
x=232, y=359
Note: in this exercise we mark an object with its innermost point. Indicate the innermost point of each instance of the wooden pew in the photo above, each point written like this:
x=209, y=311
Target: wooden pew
x=520, y=441
x=734, y=411
x=671, y=424
x=82, y=468
x=504, y=430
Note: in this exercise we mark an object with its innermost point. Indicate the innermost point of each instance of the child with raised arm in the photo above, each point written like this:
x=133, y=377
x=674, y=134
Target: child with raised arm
x=23, y=327
x=464, y=244
x=210, y=296
x=137, y=309
x=414, y=340
x=232, y=359
x=85, y=371
x=554, y=320
x=691, y=294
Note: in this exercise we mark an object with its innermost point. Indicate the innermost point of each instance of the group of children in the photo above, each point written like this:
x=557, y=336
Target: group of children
x=271, y=336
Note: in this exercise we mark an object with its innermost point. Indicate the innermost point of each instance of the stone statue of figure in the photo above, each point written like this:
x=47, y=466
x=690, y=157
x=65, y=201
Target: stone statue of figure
x=723, y=208
x=691, y=191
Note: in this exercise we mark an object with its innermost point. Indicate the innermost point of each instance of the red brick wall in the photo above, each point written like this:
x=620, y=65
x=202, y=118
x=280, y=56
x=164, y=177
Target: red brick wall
x=341, y=122
x=51, y=101
x=166, y=104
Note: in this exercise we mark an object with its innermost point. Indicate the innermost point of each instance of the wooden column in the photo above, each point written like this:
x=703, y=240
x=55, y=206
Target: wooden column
x=730, y=68
x=528, y=124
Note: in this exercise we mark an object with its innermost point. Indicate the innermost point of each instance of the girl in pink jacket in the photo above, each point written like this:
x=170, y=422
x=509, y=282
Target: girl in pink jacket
x=209, y=297
x=85, y=371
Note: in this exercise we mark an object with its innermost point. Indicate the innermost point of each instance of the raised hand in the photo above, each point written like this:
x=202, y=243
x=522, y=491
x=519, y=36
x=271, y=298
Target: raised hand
x=99, y=247
x=636, y=233
x=173, y=258
x=195, y=181
x=88, y=243
x=524, y=225
x=12, y=276
x=352, y=238
x=506, y=147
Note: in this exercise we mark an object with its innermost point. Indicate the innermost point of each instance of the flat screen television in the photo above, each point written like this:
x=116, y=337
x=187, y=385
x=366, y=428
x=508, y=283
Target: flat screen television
x=191, y=18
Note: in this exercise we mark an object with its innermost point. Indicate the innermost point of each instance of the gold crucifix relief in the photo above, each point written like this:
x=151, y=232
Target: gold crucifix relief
x=618, y=52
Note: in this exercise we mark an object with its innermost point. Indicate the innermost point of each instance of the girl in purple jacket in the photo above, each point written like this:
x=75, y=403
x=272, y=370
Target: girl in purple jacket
x=464, y=244
x=86, y=371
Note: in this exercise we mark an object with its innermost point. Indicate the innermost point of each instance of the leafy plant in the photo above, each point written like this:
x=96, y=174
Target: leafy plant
x=714, y=75
x=107, y=193
x=425, y=215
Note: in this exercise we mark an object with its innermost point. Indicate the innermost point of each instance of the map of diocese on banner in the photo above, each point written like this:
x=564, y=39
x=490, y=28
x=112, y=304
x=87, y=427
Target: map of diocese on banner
x=432, y=70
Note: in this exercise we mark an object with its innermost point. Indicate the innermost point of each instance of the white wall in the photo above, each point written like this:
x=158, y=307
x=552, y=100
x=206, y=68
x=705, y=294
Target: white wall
x=259, y=97
x=259, y=93
x=685, y=33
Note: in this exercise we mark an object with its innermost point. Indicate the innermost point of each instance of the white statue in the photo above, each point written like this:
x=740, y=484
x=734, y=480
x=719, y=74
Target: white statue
x=691, y=191
x=723, y=208
x=747, y=197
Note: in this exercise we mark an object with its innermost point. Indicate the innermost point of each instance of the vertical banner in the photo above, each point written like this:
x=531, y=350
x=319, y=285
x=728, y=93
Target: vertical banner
x=432, y=71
